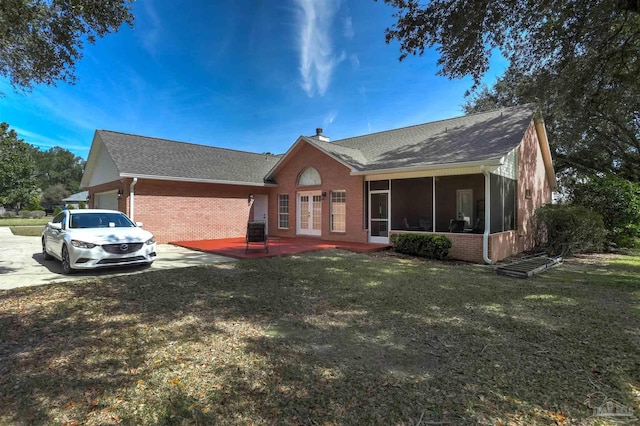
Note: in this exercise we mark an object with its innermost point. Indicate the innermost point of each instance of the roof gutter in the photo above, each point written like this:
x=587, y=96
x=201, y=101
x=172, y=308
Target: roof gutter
x=185, y=179
x=131, y=197
x=487, y=216
x=481, y=163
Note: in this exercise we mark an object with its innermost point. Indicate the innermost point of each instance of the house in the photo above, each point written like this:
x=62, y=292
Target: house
x=476, y=179
x=74, y=200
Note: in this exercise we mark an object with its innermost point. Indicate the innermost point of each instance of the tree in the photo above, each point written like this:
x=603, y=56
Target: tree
x=59, y=166
x=41, y=40
x=17, y=169
x=53, y=195
x=617, y=200
x=578, y=60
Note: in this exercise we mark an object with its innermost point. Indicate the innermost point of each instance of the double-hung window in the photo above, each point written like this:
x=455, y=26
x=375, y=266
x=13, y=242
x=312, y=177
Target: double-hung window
x=283, y=211
x=338, y=211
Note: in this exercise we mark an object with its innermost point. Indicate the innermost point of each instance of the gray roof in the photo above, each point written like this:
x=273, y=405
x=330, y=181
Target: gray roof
x=476, y=137
x=146, y=156
x=77, y=197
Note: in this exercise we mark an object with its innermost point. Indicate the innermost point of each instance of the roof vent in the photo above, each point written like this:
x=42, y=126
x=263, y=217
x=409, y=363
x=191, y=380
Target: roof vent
x=319, y=136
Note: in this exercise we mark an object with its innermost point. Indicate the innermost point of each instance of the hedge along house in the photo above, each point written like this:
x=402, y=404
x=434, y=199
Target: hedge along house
x=476, y=179
x=179, y=191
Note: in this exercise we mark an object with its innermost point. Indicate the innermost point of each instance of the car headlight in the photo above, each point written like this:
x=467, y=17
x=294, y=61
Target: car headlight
x=150, y=241
x=82, y=244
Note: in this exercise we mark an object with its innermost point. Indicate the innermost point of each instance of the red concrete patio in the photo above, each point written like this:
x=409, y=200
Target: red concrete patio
x=235, y=247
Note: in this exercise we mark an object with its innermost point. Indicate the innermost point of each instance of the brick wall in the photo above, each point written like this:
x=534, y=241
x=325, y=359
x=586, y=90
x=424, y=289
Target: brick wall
x=464, y=246
x=175, y=211
x=531, y=176
x=335, y=176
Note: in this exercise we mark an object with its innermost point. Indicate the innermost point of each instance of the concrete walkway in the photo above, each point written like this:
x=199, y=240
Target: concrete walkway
x=22, y=265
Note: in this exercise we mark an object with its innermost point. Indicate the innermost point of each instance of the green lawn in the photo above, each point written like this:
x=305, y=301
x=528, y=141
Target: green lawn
x=27, y=231
x=325, y=338
x=25, y=222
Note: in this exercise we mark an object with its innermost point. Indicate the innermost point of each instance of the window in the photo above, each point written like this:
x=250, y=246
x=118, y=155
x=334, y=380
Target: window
x=309, y=177
x=283, y=211
x=338, y=211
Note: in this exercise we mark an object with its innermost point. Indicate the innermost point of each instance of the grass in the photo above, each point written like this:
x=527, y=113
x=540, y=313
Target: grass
x=27, y=231
x=325, y=338
x=25, y=222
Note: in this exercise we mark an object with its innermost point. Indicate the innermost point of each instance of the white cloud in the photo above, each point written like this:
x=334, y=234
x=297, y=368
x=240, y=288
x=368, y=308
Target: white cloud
x=151, y=34
x=347, y=28
x=355, y=61
x=329, y=118
x=317, y=59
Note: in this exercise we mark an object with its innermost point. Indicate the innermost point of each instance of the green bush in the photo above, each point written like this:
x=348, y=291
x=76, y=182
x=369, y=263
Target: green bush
x=57, y=210
x=82, y=205
x=564, y=229
x=617, y=200
x=36, y=214
x=430, y=246
x=33, y=205
x=9, y=214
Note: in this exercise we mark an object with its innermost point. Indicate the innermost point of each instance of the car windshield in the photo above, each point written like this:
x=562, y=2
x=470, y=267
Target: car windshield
x=100, y=220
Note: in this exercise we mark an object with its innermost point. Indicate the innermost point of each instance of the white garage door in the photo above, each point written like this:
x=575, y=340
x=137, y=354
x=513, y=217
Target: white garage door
x=107, y=200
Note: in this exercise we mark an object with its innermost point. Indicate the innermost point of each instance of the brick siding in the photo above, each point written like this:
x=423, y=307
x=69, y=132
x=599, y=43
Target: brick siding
x=175, y=211
x=334, y=176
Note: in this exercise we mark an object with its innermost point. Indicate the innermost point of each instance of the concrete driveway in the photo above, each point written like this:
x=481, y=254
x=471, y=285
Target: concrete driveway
x=22, y=265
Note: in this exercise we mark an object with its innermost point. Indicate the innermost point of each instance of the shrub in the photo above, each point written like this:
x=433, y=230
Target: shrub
x=430, y=246
x=565, y=229
x=33, y=205
x=57, y=210
x=82, y=205
x=36, y=214
x=9, y=214
x=617, y=200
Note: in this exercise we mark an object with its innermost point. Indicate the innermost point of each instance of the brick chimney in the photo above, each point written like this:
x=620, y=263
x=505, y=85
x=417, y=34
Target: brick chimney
x=319, y=136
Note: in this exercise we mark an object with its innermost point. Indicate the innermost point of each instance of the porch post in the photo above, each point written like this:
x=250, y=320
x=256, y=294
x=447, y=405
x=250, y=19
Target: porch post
x=433, y=204
x=487, y=215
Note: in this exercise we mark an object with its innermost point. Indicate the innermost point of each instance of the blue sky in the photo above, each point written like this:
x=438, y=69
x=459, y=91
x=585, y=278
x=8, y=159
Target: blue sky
x=251, y=75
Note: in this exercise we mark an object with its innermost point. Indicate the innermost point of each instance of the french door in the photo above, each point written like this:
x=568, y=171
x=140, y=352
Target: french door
x=309, y=213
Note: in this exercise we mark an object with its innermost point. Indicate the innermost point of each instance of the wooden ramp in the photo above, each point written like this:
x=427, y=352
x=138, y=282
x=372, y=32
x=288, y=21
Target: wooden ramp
x=529, y=267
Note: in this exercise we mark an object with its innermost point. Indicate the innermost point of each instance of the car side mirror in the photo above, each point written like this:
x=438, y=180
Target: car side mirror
x=139, y=224
x=56, y=226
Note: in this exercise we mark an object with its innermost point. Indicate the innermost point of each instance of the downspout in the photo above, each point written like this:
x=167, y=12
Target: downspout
x=487, y=215
x=131, y=196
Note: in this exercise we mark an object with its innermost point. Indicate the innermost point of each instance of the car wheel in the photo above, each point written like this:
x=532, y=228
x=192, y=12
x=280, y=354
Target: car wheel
x=66, y=262
x=45, y=255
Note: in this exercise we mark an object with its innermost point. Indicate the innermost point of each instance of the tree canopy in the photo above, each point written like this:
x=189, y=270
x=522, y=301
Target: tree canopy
x=17, y=169
x=579, y=60
x=41, y=40
x=58, y=166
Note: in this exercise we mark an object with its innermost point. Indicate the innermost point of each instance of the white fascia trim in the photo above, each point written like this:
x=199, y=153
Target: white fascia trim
x=184, y=179
x=487, y=163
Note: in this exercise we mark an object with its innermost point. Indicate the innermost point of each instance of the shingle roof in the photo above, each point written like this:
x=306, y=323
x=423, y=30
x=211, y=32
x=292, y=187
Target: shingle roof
x=146, y=156
x=476, y=137
x=78, y=196
x=350, y=156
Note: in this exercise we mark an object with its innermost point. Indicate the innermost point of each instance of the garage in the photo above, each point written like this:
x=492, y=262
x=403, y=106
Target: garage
x=106, y=200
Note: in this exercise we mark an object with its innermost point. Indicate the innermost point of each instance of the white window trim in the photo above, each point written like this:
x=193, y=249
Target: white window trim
x=288, y=213
x=344, y=191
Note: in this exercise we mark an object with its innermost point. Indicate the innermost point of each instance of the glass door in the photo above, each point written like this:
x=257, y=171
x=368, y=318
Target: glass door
x=379, y=217
x=309, y=213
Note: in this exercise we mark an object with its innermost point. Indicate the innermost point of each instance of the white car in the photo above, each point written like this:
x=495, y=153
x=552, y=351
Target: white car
x=92, y=238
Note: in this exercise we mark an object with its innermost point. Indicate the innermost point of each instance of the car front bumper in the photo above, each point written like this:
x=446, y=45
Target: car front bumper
x=99, y=257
